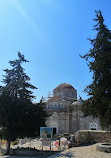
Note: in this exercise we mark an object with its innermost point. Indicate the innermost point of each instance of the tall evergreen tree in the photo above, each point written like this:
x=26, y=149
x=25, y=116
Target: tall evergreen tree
x=99, y=62
x=18, y=115
x=16, y=80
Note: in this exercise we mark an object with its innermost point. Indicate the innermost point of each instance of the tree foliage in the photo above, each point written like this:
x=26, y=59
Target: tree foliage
x=19, y=117
x=99, y=61
x=16, y=80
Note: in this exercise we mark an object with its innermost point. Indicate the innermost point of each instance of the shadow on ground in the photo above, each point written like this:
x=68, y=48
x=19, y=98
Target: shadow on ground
x=65, y=155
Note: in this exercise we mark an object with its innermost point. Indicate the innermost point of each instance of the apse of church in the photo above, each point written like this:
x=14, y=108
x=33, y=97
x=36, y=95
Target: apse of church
x=64, y=108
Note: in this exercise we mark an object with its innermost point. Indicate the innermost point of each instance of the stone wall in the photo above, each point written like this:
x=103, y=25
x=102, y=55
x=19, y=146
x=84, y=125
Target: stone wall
x=104, y=147
x=60, y=121
x=86, y=121
x=84, y=137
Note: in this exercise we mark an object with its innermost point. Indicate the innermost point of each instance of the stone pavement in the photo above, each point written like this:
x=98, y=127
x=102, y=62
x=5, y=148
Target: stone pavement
x=82, y=152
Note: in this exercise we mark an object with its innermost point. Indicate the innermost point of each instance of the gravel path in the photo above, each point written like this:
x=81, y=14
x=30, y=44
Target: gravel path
x=76, y=152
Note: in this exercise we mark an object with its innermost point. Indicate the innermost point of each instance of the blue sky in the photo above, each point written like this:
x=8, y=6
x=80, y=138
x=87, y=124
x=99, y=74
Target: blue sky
x=51, y=34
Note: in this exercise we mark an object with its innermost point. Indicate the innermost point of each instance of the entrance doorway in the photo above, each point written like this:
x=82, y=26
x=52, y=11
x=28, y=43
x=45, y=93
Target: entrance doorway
x=54, y=126
x=54, y=130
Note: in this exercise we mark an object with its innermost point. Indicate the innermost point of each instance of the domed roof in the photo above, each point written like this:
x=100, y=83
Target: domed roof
x=79, y=102
x=64, y=86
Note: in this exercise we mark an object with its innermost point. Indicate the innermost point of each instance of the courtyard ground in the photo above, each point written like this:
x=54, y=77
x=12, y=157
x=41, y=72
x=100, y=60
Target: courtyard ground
x=76, y=152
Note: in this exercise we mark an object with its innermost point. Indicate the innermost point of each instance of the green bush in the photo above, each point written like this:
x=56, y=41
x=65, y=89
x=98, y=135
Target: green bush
x=15, y=142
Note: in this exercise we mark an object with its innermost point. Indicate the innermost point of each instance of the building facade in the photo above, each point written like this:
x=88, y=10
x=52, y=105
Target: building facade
x=65, y=113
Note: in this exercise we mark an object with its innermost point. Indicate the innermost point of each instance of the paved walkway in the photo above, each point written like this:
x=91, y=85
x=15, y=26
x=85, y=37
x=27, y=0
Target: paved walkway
x=76, y=152
x=82, y=152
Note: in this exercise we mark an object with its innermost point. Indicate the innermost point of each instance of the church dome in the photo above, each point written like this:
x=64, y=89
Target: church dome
x=65, y=90
x=64, y=86
x=79, y=103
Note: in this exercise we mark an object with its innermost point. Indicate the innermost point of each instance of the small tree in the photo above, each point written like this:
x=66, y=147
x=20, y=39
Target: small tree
x=99, y=61
x=18, y=115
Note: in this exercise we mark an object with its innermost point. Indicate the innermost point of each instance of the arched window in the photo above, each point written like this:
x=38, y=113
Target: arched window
x=93, y=126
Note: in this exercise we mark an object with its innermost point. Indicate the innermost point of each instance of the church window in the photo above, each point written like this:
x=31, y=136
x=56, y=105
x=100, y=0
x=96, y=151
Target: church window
x=93, y=126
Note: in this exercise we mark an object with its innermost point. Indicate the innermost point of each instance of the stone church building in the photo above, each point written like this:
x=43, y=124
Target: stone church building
x=66, y=116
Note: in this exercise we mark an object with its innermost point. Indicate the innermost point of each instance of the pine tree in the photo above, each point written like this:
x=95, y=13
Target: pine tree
x=99, y=61
x=16, y=80
x=19, y=117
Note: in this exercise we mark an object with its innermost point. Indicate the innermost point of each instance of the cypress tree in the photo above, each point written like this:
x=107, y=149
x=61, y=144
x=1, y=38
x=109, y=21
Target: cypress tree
x=99, y=61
